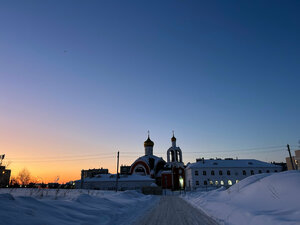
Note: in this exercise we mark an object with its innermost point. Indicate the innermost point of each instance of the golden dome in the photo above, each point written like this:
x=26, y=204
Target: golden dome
x=148, y=142
x=173, y=139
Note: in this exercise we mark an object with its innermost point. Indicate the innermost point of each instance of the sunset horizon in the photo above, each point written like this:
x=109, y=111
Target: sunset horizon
x=80, y=82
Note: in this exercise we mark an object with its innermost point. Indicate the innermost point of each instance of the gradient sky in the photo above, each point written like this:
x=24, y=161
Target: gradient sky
x=80, y=80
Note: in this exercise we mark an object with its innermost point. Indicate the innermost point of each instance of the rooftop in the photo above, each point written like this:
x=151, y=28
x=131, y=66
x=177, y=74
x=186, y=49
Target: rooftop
x=231, y=163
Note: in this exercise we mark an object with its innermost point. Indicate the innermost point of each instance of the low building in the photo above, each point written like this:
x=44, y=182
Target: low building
x=213, y=173
x=93, y=172
x=295, y=160
x=4, y=176
x=109, y=182
x=124, y=170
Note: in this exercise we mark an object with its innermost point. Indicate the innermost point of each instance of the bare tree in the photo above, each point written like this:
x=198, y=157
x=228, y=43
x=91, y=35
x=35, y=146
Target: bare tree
x=14, y=180
x=24, y=176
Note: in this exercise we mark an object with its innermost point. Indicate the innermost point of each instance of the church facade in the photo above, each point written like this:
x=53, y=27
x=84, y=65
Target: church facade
x=168, y=174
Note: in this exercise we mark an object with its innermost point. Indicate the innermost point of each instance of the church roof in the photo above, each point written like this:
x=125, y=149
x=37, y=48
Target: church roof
x=173, y=138
x=148, y=142
x=150, y=160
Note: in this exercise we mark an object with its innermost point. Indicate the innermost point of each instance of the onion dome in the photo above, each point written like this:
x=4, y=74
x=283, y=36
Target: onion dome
x=173, y=138
x=148, y=142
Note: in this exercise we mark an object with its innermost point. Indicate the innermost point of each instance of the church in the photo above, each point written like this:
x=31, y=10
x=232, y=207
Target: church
x=168, y=174
x=150, y=170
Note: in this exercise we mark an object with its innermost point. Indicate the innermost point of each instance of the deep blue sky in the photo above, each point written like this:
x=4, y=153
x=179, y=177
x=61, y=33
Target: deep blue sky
x=223, y=74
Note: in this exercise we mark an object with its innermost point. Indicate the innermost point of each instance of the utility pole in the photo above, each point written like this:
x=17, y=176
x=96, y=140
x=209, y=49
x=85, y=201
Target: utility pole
x=117, y=172
x=288, y=147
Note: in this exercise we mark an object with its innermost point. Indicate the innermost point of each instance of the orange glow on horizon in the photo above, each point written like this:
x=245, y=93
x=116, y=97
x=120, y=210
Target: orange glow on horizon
x=66, y=171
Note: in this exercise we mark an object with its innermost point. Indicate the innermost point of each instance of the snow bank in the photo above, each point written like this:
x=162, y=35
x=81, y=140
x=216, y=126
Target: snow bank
x=259, y=200
x=70, y=207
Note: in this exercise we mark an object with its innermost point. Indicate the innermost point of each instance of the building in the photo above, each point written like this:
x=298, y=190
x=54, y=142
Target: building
x=109, y=182
x=148, y=164
x=295, y=160
x=93, y=172
x=124, y=170
x=173, y=172
x=213, y=173
x=4, y=176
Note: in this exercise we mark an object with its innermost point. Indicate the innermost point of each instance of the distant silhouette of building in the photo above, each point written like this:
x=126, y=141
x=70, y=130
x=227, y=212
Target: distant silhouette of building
x=4, y=176
x=125, y=170
x=93, y=172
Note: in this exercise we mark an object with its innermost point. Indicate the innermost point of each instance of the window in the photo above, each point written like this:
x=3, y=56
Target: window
x=197, y=182
x=229, y=182
x=211, y=182
x=268, y=171
x=196, y=172
x=252, y=172
x=236, y=181
x=220, y=172
x=213, y=172
x=204, y=173
x=222, y=182
x=275, y=171
x=228, y=172
x=216, y=182
x=259, y=171
x=205, y=182
x=140, y=170
x=244, y=172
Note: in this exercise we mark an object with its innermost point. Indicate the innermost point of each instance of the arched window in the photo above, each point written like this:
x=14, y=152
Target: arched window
x=205, y=182
x=197, y=182
x=252, y=172
x=216, y=182
x=244, y=172
x=222, y=182
x=213, y=172
x=275, y=171
x=204, y=173
x=236, y=181
x=196, y=172
x=140, y=170
x=228, y=172
x=229, y=182
x=268, y=171
x=220, y=172
x=259, y=171
x=211, y=182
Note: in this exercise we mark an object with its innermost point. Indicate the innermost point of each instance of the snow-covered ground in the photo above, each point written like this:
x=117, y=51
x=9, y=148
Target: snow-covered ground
x=261, y=199
x=71, y=207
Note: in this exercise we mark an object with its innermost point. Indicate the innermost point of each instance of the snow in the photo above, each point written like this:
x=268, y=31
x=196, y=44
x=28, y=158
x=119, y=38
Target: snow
x=66, y=207
x=112, y=177
x=232, y=163
x=259, y=200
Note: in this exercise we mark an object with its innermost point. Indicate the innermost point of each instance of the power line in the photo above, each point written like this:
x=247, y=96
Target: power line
x=132, y=154
x=60, y=160
x=61, y=157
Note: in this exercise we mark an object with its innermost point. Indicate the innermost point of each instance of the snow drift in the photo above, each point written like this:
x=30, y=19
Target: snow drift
x=70, y=207
x=259, y=199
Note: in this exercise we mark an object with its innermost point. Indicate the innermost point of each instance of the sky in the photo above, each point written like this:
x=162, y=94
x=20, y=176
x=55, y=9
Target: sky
x=81, y=80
